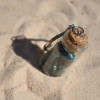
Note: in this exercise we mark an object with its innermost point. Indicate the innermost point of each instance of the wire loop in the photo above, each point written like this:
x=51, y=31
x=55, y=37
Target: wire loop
x=74, y=28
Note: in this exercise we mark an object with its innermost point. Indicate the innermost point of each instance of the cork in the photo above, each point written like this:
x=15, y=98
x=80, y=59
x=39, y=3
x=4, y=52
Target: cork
x=73, y=41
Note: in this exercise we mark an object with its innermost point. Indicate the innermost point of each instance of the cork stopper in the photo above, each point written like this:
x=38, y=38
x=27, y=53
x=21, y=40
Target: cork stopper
x=74, y=41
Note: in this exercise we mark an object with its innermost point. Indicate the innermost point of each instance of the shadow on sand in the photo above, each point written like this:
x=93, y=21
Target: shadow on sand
x=24, y=48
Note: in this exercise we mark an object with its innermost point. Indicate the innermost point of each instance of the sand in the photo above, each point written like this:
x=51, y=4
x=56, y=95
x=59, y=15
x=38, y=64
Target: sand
x=38, y=21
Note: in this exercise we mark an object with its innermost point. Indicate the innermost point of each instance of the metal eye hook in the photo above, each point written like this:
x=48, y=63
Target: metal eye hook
x=78, y=27
x=74, y=28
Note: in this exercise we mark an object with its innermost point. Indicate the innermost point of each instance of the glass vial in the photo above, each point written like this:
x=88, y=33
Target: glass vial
x=63, y=54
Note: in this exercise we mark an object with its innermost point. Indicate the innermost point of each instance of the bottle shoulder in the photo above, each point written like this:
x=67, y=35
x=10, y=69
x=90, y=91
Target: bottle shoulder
x=65, y=52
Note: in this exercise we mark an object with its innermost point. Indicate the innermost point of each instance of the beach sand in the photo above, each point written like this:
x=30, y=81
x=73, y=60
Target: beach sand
x=32, y=23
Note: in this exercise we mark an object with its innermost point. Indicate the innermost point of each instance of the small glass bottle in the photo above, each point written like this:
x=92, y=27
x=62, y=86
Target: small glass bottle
x=65, y=52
